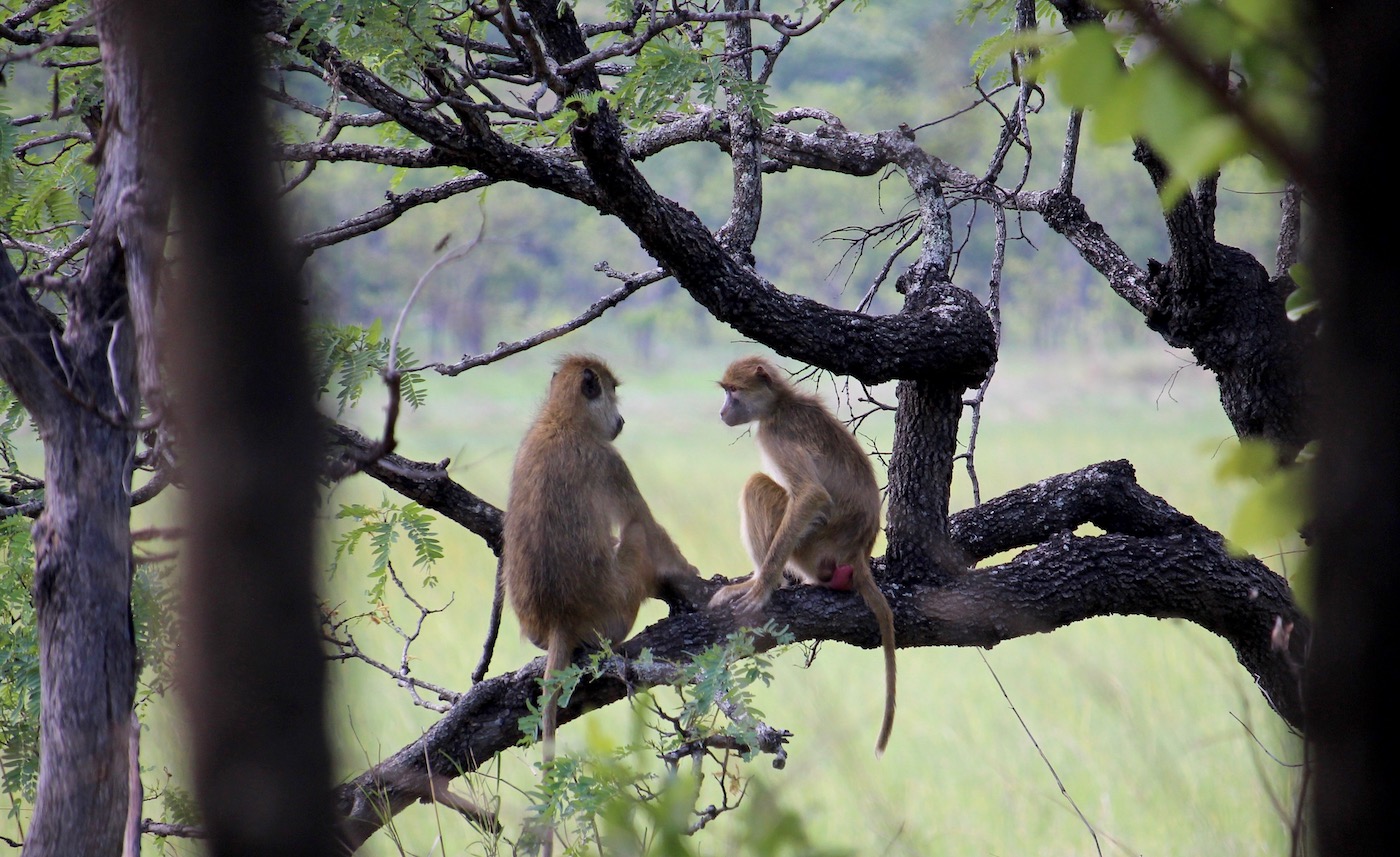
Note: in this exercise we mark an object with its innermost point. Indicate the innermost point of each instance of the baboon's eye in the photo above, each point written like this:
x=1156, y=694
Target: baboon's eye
x=592, y=387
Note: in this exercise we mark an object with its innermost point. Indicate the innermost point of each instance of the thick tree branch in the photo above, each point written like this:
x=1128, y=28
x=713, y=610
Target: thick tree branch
x=1216, y=300
x=1065, y=213
x=1106, y=495
x=471, y=144
x=1153, y=561
x=424, y=483
x=950, y=339
x=29, y=360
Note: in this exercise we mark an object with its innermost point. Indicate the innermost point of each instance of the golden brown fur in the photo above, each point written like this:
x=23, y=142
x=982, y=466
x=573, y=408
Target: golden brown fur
x=582, y=550
x=816, y=512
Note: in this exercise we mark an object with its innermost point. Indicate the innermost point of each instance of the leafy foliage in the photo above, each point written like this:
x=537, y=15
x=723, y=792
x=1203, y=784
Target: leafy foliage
x=615, y=788
x=670, y=70
x=19, y=663
x=19, y=647
x=1159, y=96
x=154, y=613
x=349, y=356
x=383, y=527
x=1303, y=299
x=725, y=676
x=44, y=168
x=1275, y=507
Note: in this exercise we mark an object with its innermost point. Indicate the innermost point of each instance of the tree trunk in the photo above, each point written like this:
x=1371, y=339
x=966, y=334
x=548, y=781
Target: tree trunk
x=250, y=664
x=1351, y=669
x=82, y=598
x=82, y=543
x=920, y=480
x=78, y=382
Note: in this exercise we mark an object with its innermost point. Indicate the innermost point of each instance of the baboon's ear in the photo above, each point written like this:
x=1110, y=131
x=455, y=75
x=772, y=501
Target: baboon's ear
x=592, y=387
x=761, y=374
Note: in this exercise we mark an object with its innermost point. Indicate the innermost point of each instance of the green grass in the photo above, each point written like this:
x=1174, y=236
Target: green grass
x=1158, y=735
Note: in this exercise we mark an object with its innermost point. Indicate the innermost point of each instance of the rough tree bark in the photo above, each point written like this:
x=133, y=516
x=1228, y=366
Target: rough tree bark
x=1216, y=301
x=79, y=383
x=83, y=564
x=1152, y=561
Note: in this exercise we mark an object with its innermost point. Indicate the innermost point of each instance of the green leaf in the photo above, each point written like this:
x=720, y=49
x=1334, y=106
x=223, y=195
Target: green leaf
x=1273, y=511
x=1088, y=69
x=1275, y=504
x=1303, y=299
x=1248, y=459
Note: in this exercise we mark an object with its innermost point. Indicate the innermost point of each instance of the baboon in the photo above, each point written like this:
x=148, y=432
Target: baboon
x=581, y=548
x=816, y=510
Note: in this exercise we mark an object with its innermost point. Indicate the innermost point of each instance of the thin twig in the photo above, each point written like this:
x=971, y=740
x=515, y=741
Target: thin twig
x=493, y=627
x=505, y=349
x=1097, y=847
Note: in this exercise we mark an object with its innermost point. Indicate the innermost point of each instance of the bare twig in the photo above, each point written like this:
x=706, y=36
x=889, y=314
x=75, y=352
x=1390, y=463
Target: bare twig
x=1059, y=782
x=350, y=649
x=392, y=374
x=506, y=349
x=493, y=627
x=993, y=312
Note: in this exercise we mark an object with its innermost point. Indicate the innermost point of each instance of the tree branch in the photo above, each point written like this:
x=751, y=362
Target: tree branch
x=950, y=339
x=427, y=484
x=1153, y=561
x=27, y=361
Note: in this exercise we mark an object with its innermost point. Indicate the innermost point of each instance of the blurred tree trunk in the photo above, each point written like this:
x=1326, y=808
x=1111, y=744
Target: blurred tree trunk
x=251, y=667
x=1348, y=690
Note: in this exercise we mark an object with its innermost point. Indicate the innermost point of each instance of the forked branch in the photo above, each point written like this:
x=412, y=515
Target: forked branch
x=1152, y=561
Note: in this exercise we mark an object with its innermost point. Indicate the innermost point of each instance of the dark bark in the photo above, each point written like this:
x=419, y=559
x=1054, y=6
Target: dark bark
x=951, y=342
x=920, y=475
x=424, y=483
x=471, y=144
x=250, y=662
x=920, y=481
x=941, y=341
x=1221, y=304
x=1153, y=561
x=1215, y=300
x=948, y=342
x=1106, y=495
x=1350, y=699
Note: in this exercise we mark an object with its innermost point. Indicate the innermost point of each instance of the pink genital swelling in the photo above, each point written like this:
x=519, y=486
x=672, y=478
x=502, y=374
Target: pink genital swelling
x=841, y=578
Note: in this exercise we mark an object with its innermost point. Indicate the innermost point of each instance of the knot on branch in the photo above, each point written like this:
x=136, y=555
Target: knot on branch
x=1063, y=211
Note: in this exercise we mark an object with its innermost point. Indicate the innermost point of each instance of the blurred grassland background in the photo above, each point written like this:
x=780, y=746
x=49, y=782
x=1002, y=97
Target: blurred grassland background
x=1158, y=735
